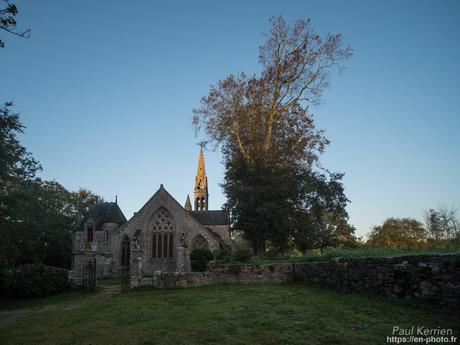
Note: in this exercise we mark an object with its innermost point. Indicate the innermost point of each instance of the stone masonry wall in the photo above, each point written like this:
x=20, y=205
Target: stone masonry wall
x=433, y=279
x=223, y=274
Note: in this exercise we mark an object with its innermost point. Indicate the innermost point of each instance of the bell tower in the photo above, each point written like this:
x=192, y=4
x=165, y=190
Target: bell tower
x=201, y=186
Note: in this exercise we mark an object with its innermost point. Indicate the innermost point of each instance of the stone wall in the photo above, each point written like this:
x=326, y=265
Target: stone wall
x=223, y=274
x=433, y=279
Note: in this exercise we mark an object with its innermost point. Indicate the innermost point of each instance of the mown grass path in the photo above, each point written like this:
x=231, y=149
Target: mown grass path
x=224, y=314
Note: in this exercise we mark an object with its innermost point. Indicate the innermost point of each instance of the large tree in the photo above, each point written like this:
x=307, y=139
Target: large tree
x=250, y=113
x=36, y=217
x=41, y=216
x=267, y=134
x=442, y=223
x=398, y=233
x=15, y=162
x=325, y=220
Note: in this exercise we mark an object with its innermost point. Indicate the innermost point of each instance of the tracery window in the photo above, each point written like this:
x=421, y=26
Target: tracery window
x=162, y=234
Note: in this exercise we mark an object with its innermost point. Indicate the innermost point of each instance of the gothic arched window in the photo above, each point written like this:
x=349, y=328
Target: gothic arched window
x=162, y=234
x=89, y=234
x=199, y=242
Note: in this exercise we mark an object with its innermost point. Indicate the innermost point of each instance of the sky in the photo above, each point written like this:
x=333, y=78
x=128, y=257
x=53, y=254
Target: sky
x=106, y=91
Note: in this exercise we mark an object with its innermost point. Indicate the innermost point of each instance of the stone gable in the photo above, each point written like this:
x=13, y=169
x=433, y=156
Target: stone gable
x=161, y=234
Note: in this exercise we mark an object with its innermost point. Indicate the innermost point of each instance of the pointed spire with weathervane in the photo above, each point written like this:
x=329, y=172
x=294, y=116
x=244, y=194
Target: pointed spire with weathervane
x=201, y=185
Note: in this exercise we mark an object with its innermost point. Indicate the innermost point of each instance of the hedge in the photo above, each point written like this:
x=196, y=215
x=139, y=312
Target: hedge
x=34, y=280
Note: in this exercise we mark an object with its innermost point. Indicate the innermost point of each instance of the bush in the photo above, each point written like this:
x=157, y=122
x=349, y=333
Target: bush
x=243, y=254
x=200, y=258
x=35, y=280
x=223, y=255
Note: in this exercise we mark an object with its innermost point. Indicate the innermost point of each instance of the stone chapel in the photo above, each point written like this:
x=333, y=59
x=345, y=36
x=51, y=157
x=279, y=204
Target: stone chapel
x=159, y=237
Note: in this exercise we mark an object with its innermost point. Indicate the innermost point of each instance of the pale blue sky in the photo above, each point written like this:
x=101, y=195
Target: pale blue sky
x=106, y=90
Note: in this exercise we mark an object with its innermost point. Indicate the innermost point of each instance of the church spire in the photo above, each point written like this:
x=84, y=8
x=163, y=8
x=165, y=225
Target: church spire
x=188, y=204
x=201, y=185
x=201, y=169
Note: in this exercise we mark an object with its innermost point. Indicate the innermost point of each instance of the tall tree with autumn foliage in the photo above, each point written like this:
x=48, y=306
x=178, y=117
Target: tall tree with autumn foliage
x=268, y=137
x=398, y=233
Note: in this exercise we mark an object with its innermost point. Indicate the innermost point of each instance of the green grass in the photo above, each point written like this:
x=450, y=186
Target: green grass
x=350, y=253
x=71, y=296
x=223, y=314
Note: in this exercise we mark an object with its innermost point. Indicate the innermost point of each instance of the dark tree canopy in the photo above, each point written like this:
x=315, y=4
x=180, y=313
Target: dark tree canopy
x=15, y=161
x=8, y=12
x=37, y=223
x=269, y=140
x=36, y=217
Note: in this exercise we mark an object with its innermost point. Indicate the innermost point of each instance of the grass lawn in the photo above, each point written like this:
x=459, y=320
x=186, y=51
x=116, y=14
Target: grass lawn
x=223, y=314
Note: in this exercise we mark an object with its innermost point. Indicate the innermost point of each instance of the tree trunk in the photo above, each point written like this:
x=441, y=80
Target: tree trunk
x=259, y=247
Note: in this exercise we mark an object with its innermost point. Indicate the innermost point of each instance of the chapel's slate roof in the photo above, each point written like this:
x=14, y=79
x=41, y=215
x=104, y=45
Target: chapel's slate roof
x=217, y=217
x=104, y=212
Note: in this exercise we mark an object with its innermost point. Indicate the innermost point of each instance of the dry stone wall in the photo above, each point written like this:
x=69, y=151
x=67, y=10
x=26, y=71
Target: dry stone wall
x=433, y=279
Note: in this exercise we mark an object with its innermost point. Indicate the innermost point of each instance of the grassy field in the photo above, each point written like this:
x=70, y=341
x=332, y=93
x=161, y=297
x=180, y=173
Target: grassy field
x=224, y=314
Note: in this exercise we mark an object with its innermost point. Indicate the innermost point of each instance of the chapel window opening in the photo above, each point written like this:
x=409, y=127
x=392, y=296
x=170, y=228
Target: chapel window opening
x=199, y=242
x=89, y=234
x=125, y=251
x=162, y=235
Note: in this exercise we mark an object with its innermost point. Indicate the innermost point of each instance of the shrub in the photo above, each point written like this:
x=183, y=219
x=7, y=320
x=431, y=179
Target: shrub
x=240, y=243
x=223, y=255
x=243, y=254
x=199, y=259
x=35, y=280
